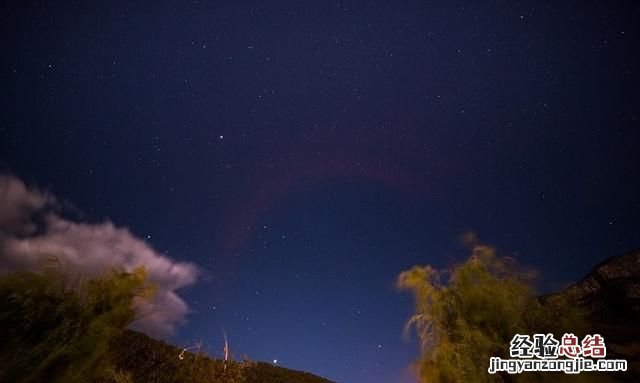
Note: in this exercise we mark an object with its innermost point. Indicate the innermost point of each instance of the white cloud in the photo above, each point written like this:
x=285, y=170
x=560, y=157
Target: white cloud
x=31, y=231
x=18, y=205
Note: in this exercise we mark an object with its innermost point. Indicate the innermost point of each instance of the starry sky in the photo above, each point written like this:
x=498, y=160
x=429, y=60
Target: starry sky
x=302, y=154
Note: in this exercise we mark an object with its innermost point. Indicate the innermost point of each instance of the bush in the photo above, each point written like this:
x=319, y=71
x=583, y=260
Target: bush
x=57, y=328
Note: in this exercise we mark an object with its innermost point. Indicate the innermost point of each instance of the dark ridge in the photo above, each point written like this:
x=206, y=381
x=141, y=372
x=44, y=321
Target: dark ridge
x=610, y=296
x=149, y=360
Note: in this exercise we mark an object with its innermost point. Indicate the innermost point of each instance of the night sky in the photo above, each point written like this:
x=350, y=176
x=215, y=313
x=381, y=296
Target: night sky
x=302, y=154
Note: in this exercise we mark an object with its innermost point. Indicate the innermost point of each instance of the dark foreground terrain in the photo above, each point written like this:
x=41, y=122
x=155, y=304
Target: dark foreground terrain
x=42, y=333
x=145, y=359
x=610, y=295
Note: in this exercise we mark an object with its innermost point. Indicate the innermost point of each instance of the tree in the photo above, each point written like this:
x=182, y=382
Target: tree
x=465, y=315
x=57, y=328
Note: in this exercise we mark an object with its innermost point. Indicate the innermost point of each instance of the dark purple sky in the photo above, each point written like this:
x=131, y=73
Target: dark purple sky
x=302, y=155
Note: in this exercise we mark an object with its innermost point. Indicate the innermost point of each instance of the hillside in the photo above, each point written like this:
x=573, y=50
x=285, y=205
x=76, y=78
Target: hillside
x=610, y=295
x=146, y=359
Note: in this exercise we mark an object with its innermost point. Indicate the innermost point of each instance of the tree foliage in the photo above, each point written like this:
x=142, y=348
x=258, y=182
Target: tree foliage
x=465, y=315
x=57, y=328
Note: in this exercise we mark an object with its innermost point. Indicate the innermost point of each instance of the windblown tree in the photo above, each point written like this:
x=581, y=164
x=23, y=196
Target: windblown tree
x=56, y=327
x=469, y=313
